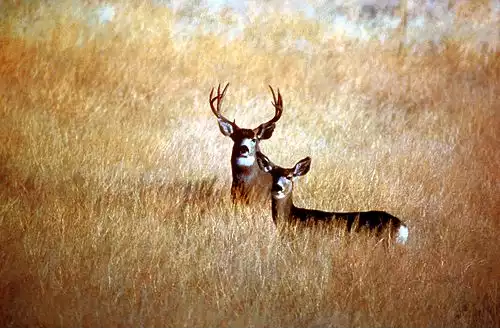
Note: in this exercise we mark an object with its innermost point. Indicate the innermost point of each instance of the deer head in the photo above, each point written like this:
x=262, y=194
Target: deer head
x=283, y=178
x=246, y=141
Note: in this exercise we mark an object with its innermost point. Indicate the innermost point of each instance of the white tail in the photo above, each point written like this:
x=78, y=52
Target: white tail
x=284, y=211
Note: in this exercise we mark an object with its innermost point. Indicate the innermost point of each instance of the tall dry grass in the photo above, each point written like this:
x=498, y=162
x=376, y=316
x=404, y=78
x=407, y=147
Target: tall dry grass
x=115, y=180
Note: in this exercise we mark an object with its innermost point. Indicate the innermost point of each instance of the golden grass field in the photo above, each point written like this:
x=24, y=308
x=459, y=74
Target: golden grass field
x=114, y=178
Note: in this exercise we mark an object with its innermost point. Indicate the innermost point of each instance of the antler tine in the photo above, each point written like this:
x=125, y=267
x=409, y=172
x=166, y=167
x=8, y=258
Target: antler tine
x=274, y=96
x=219, y=98
x=278, y=105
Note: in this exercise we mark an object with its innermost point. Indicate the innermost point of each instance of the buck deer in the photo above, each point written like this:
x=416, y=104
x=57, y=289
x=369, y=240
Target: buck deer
x=249, y=182
x=284, y=211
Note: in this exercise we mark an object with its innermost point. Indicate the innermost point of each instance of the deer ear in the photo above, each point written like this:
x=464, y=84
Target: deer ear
x=302, y=167
x=264, y=163
x=226, y=127
x=265, y=131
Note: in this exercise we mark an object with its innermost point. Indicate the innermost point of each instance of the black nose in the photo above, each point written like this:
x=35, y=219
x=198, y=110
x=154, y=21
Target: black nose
x=276, y=188
x=244, y=149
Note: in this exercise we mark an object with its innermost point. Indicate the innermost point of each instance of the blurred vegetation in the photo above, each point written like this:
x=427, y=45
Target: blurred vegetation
x=114, y=178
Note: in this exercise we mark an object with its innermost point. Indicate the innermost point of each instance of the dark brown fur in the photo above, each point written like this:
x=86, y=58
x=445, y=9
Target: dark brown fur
x=285, y=212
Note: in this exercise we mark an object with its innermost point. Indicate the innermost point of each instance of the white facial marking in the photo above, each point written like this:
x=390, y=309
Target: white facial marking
x=285, y=184
x=245, y=159
x=250, y=143
x=402, y=235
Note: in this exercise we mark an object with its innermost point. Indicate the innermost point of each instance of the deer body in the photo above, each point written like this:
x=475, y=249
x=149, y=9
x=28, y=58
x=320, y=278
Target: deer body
x=285, y=212
x=249, y=182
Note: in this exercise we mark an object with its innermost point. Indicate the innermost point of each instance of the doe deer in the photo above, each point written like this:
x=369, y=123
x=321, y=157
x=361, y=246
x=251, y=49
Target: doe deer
x=284, y=211
x=249, y=182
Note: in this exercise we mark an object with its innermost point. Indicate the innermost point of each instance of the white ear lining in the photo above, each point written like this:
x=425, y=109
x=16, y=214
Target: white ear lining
x=225, y=127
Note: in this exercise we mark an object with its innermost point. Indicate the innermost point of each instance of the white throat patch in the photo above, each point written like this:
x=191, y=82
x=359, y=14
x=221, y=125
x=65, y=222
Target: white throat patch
x=245, y=161
x=278, y=194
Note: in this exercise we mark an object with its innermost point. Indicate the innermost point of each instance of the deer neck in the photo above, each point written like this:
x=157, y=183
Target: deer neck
x=249, y=182
x=282, y=209
x=246, y=171
x=244, y=174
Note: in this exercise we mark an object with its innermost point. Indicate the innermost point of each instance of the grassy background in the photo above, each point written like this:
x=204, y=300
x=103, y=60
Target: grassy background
x=114, y=178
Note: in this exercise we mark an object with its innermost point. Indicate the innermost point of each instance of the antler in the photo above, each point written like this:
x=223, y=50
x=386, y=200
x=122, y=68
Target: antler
x=219, y=98
x=278, y=105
